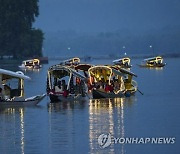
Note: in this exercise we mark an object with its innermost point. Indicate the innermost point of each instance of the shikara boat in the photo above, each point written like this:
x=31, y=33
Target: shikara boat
x=123, y=62
x=111, y=82
x=30, y=64
x=64, y=83
x=12, y=90
x=70, y=62
x=153, y=62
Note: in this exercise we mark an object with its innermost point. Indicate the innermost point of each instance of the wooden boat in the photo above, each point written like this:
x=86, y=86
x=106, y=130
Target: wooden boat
x=70, y=62
x=110, y=82
x=64, y=83
x=30, y=64
x=153, y=62
x=12, y=90
x=123, y=62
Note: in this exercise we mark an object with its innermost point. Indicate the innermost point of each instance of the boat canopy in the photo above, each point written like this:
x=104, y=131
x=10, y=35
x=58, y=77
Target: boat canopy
x=6, y=74
x=61, y=71
x=83, y=67
x=100, y=70
x=71, y=61
x=154, y=59
x=122, y=61
x=32, y=61
x=106, y=71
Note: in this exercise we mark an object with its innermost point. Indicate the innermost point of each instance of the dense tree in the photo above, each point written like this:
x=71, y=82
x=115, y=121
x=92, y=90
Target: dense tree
x=17, y=37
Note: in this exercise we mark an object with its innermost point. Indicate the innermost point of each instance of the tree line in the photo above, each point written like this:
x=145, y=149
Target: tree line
x=17, y=36
x=165, y=40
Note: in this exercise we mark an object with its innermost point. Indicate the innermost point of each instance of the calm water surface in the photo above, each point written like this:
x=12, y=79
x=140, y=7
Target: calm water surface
x=74, y=127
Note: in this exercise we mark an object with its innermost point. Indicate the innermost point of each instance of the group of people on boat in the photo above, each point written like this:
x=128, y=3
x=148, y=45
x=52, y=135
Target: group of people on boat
x=60, y=86
x=113, y=85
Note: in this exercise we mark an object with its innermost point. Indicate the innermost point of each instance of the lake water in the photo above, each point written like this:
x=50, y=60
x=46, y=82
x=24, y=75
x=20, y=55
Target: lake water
x=74, y=127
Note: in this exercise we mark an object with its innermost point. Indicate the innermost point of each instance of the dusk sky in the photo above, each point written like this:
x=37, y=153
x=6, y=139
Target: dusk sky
x=107, y=15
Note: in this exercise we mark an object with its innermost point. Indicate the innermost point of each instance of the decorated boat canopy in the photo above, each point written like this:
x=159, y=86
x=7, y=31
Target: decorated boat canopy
x=32, y=62
x=60, y=71
x=106, y=72
x=83, y=67
x=98, y=71
x=154, y=59
x=6, y=74
x=72, y=61
x=122, y=61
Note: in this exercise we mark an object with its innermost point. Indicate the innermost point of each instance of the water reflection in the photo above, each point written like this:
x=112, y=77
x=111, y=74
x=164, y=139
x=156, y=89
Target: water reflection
x=66, y=105
x=155, y=68
x=66, y=126
x=31, y=70
x=9, y=135
x=107, y=116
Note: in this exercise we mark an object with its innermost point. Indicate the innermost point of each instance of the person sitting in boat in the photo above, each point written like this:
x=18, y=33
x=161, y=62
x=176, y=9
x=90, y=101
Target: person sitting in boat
x=108, y=87
x=7, y=91
x=58, y=87
x=77, y=86
x=66, y=92
x=64, y=88
x=91, y=84
x=99, y=85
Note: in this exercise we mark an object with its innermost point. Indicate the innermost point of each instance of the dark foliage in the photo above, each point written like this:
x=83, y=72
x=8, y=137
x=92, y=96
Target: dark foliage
x=17, y=37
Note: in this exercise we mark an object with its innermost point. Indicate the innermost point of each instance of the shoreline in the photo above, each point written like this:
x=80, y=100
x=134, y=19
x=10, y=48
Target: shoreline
x=98, y=57
x=132, y=56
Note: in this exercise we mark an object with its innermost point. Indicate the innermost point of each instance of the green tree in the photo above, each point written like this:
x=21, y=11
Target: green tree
x=16, y=32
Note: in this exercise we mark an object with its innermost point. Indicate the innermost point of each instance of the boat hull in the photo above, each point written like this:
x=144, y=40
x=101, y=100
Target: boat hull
x=97, y=94
x=30, y=67
x=27, y=102
x=152, y=66
x=55, y=98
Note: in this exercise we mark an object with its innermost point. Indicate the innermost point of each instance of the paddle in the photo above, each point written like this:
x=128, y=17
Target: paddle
x=140, y=92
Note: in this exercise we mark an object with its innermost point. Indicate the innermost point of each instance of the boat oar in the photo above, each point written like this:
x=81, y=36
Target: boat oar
x=140, y=92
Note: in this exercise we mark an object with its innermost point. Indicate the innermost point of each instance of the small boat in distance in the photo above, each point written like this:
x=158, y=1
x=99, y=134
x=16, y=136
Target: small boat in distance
x=153, y=62
x=123, y=62
x=30, y=64
x=109, y=82
x=12, y=90
x=70, y=62
x=64, y=83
